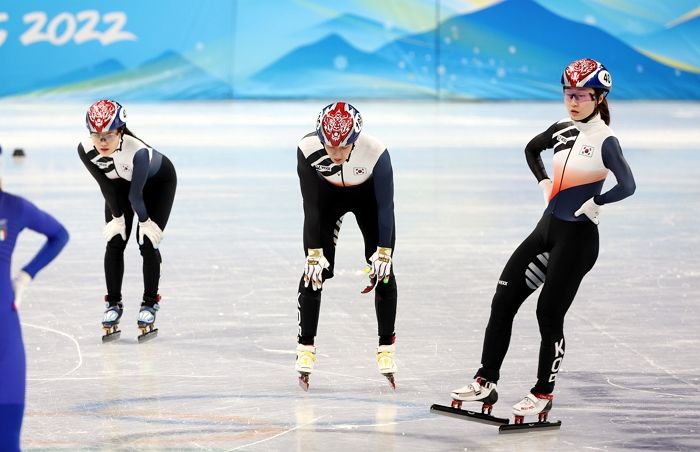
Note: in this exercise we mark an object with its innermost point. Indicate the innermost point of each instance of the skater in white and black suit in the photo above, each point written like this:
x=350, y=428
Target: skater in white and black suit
x=564, y=245
x=133, y=178
x=342, y=170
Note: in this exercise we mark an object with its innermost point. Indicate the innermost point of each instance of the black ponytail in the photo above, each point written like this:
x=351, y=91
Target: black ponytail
x=602, y=107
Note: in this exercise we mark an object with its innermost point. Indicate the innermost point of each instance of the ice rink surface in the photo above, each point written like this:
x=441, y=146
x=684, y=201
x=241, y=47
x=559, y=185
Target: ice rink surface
x=220, y=375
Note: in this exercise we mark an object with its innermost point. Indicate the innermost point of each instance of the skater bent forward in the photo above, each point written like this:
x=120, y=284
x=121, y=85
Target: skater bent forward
x=133, y=177
x=342, y=170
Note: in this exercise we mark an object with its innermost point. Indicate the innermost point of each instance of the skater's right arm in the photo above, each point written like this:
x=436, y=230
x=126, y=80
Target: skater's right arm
x=106, y=186
x=533, y=150
x=309, y=182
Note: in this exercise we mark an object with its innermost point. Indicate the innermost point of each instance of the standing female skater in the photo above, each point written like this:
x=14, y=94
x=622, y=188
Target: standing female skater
x=17, y=214
x=564, y=245
x=133, y=177
x=341, y=171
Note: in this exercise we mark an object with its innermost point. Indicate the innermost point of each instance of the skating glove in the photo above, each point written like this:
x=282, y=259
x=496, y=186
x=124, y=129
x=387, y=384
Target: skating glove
x=381, y=264
x=150, y=229
x=313, y=270
x=546, y=187
x=590, y=209
x=116, y=226
x=19, y=283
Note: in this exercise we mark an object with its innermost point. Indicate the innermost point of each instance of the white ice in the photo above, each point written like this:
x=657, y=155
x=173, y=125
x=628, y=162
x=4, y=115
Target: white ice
x=220, y=375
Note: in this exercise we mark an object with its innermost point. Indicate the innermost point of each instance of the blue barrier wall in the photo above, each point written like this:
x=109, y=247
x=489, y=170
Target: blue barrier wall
x=449, y=49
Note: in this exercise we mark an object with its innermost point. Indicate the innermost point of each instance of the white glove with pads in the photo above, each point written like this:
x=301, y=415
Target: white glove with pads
x=381, y=264
x=116, y=226
x=150, y=229
x=590, y=209
x=313, y=269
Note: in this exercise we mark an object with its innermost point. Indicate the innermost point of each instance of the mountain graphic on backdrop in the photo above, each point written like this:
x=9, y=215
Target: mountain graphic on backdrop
x=167, y=76
x=488, y=54
x=330, y=67
x=102, y=69
x=361, y=32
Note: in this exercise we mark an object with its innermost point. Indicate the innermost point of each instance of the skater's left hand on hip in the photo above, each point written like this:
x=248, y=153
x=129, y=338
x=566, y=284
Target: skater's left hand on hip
x=19, y=283
x=380, y=263
x=151, y=230
x=546, y=187
x=313, y=269
x=590, y=209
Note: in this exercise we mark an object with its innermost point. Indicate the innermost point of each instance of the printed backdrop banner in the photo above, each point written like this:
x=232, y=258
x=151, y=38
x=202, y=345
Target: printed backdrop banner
x=127, y=50
x=274, y=49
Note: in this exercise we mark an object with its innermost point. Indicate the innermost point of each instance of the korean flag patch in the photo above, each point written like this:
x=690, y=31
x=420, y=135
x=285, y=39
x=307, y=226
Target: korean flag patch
x=586, y=151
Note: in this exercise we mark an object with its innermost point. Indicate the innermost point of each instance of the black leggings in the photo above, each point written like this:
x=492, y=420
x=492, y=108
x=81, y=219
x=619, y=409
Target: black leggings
x=361, y=202
x=158, y=195
x=563, y=251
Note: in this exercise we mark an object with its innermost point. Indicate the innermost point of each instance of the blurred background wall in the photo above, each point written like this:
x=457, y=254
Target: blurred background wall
x=299, y=49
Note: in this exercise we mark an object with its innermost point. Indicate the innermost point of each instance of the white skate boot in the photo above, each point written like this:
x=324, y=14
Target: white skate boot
x=532, y=404
x=386, y=363
x=146, y=322
x=479, y=390
x=306, y=358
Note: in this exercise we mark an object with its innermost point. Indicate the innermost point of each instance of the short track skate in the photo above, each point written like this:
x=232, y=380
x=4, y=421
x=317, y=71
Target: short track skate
x=532, y=404
x=147, y=321
x=110, y=322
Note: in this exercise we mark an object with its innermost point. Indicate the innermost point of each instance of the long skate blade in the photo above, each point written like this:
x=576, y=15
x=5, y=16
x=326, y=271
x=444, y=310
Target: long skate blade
x=467, y=415
x=392, y=380
x=147, y=336
x=304, y=382
x=529, y=426
x=111, y=337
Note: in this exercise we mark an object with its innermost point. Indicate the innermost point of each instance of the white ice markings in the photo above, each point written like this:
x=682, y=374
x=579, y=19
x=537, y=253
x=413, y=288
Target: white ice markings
x=77, y=347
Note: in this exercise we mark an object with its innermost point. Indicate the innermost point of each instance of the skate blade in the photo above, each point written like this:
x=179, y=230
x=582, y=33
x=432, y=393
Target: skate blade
x=392, y=380
x=147, y=334
x=467, y=415
x=111, y=337
x=304, y=382
x=529, y=426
